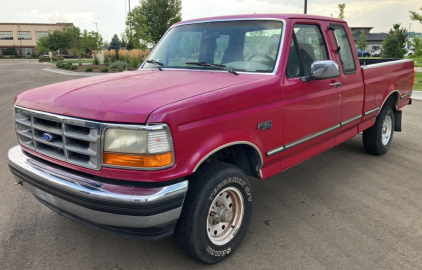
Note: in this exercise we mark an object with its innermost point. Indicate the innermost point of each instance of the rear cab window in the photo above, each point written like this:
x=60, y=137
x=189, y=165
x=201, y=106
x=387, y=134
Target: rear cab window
x=346, y=53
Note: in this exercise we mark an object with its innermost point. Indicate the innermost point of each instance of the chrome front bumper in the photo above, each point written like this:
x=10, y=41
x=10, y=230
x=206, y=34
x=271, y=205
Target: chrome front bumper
x=142, y=212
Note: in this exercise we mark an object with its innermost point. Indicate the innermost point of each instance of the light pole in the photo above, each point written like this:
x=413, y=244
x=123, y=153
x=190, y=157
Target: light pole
x=306, y=7
x=408, y=41
x=20, y=40
x=97, y=26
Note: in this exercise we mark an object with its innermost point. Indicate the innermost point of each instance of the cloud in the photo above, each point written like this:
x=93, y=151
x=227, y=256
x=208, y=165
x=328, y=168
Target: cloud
x=80, y=17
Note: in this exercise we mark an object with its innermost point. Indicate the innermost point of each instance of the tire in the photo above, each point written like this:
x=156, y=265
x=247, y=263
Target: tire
x=196, y=234
x=377, y=139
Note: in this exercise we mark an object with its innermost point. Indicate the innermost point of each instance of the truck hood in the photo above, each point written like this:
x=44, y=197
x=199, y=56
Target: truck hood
x=126, y=97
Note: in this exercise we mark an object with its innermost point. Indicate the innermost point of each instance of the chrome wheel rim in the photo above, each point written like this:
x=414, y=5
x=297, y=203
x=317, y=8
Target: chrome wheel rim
x=387, y=128
x=225, y=216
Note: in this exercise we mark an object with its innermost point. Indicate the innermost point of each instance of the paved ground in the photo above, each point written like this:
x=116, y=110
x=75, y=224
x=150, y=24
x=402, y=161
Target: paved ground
x=341, y=210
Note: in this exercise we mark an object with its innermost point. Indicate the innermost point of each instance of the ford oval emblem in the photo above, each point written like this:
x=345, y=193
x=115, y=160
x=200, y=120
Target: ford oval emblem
x=47, y=137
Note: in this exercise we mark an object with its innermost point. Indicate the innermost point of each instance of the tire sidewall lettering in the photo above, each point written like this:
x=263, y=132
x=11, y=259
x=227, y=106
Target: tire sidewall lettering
x=216, y=253
x=230, y=180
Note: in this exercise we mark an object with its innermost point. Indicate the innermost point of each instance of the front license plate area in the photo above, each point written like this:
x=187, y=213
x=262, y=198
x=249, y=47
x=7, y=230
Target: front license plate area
x=44, y=196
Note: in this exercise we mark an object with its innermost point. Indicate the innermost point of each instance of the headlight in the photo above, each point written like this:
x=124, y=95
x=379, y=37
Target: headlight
x=137, y=148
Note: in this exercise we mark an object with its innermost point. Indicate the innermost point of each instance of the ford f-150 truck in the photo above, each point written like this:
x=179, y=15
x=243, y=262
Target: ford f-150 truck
x=168, y=149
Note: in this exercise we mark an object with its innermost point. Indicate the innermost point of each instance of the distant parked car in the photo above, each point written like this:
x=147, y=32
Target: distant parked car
x=410, y=52
x=362, y=53
x=376, y=53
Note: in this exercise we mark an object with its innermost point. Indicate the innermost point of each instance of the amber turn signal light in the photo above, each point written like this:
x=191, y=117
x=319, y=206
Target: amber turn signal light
x=138, y=161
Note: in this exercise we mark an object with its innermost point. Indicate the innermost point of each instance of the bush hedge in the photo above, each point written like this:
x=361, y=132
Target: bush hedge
x=118, y=64
x=88, y=69
x=104, y=69
x=74, y=67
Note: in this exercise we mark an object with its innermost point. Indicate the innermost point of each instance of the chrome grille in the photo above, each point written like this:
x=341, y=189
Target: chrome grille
x=73, y=140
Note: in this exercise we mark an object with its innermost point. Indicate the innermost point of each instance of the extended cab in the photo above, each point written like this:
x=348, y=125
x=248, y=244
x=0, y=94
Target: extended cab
x=167, y=149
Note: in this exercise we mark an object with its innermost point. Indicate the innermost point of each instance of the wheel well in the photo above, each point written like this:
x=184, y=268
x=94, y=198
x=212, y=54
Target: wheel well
x=393, y=100
x=243, y=156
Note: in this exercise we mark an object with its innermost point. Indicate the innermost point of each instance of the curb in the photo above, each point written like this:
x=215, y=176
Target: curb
x=417, y=95
x=64, y=72
x=21, y=59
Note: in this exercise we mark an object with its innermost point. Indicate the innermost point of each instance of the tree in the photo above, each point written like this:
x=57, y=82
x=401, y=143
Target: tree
x=362, y=41
x=92, y=41
x=417, y=44
x=57, y=40
x=77, y=41
x=394, y=45
x=341, y=8
x=152, y=18
x=123, y=39
x=115, y=45
x=42, y=45
x=415, y=16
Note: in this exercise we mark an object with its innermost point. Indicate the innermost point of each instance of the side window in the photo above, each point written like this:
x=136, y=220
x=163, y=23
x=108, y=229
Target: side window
x=294, y=68
x=310, y=47
x=346, y=53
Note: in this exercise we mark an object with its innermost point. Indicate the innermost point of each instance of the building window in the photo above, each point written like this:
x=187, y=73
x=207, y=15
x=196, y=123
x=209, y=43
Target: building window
x=6, y=35
x=24, y=35
x=40, y=34
x=26, y=51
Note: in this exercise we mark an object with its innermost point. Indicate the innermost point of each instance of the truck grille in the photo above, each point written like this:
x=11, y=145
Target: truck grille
x=69, y=139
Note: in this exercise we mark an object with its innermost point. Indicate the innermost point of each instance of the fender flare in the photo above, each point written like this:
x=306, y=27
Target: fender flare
x=216, y=149
x=386, y=98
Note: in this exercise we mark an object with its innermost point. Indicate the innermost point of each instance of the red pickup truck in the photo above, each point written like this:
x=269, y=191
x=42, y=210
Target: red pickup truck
x=168, y=149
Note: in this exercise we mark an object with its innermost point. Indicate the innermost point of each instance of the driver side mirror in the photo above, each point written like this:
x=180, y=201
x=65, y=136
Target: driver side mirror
x=322, y=70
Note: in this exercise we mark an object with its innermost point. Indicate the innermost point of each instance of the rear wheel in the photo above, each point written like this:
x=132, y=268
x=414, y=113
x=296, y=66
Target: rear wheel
x=377, y=139
x=216, y=213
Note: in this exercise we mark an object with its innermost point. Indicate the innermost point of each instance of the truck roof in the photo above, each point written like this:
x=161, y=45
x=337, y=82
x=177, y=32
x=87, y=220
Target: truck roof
x=284, y=16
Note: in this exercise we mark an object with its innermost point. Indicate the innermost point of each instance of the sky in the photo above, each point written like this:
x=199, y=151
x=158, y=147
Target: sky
x=110, y=14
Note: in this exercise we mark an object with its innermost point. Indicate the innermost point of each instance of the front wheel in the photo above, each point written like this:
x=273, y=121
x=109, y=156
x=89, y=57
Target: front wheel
x=377, y=139
x=216, y=213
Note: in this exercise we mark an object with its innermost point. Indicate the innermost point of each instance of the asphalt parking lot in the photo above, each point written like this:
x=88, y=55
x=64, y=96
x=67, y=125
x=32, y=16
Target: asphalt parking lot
x=343, y=209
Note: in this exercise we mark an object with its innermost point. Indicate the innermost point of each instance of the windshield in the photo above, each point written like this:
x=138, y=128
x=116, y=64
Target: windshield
x=248, y=46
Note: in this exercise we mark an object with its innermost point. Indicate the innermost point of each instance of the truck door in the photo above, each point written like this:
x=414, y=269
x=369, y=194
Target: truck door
x=352, y=87
x=311, y=109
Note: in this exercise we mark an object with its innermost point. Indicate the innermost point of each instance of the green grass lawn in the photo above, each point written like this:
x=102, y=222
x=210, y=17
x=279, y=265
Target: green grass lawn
x=418, y=81
x=73, y=61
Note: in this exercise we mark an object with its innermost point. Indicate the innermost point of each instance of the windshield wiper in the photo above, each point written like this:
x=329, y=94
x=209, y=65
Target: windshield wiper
x=157, y=64
x=203, y=64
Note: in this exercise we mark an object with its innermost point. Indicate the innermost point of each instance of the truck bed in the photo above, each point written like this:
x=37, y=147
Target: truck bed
x=384, y=76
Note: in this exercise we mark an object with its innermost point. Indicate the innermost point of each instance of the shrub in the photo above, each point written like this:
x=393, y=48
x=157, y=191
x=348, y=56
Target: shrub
x=43, y=59
x=96, y=60
x=10, y=51
x=34, y=55
x=67, y=67
x=120, y=69
x=118, y=64
x=80, y=63
x=106, y=57
x=68, y=64
x=88, y=69
x=104, y=69
x=112, y=56
x=74, y=67
x=58, y=65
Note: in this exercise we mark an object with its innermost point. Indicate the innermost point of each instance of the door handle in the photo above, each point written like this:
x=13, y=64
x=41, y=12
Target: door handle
x=337, y=84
